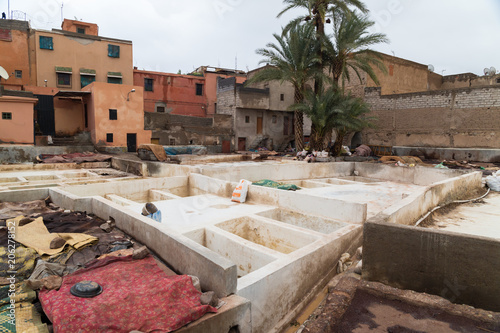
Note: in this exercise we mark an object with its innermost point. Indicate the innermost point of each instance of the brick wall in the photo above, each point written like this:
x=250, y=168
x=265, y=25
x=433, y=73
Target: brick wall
x=459, y=118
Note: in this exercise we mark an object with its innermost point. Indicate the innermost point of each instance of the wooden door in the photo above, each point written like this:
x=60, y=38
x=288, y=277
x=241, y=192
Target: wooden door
x=131, y=142
x=259, y=125
x=226, y=146
x=242, y=144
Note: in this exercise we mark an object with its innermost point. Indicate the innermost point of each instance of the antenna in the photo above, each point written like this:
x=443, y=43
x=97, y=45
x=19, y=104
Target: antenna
x=62, y=15
x=431, y=68
x=236, y=62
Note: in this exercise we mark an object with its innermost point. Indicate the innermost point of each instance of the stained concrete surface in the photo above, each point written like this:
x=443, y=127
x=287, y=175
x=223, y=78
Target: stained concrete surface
x=480, y=219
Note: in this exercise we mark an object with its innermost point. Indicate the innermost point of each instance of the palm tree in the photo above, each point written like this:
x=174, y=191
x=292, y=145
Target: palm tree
x=350, y=48
x=293, y=59
x=323, y=109
x=353, y=118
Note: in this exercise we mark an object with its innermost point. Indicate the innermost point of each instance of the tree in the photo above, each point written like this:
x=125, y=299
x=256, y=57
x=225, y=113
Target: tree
x=293, y=59
x=350, y=48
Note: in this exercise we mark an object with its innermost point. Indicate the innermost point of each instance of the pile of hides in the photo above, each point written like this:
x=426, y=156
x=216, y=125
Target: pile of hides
x=277, y=185
x=185, y=150
x=137, y=295
x=157, y=150
x=77, y=158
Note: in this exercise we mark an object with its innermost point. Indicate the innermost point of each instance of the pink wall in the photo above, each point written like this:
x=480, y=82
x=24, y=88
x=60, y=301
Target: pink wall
x=130, y=113
x=19, y=129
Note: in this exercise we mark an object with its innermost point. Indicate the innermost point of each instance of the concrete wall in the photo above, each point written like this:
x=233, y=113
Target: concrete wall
x=461, y=268
x=14, y=154
x=81, y=51
x=461, y=118
x=211, y=88
x=14, y=44
x=130, y=114
x=19, y=129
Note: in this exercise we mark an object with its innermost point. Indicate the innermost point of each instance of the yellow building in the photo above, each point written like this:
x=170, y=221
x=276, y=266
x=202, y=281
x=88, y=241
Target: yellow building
x=72, y=58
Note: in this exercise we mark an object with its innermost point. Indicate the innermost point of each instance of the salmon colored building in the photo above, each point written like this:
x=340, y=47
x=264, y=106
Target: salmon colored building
x=16, y=121
x=115, y=115
x=172, y=93
x=71, y=58
x=14, y=53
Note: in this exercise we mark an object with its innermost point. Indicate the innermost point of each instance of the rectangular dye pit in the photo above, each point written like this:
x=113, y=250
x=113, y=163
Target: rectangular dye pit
x=315, y=223
x=75, y=175
x=9, y=180
x=247, y=259
x=41, y=177
x=269, y=235
x=150, y=196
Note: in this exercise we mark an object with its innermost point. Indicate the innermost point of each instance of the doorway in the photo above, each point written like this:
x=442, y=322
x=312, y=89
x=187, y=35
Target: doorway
x=242, y=144
x=226, y=146
x=259, y=125
x=131, y=142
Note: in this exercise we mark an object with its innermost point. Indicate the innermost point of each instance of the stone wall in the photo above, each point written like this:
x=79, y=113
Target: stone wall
x=458, y=118
x=458, y=267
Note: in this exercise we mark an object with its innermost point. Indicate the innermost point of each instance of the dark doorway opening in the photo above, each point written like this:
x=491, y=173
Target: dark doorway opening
x=131, y=142
x=242, y=144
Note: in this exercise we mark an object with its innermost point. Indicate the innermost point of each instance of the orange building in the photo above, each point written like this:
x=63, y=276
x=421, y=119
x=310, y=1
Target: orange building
x=172, y=93
x=14, y=54
x=76, y=56
x=114, y=115
x=16, y=121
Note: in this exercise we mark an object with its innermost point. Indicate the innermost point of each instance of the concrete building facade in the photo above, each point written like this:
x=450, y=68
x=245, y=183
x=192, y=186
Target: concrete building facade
x=15, y=56
x=16, y=118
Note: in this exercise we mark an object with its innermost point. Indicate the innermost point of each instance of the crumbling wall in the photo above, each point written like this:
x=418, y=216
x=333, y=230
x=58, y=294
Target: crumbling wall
x=459, y=118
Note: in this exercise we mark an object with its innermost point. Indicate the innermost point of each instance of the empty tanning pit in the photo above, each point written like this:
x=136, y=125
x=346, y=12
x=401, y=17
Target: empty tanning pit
x=270, y=235
x=41, y=177
x=315, y=223
x=247, y=258
x=360, y=179
x=9, y=180
x=73, y=175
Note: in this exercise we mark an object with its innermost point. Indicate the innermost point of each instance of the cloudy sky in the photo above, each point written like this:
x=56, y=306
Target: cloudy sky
x=455, y=36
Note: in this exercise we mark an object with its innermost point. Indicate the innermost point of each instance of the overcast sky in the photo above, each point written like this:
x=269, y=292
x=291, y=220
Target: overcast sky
x=455, y=36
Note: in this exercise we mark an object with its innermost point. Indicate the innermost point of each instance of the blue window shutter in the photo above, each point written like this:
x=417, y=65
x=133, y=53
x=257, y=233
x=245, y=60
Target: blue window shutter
x=113, y=51
x=46, y=43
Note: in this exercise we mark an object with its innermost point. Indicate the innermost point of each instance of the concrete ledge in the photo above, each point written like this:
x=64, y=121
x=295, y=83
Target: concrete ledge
x=12, y=154
x=151, y=169
x=461, y=268
x=24, y=195
x=181, y=253
x=460, y=154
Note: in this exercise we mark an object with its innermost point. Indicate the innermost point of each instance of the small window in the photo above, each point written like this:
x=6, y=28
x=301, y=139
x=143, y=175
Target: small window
x=18, y=74
x=113, y=114
x=109, y=137
x=46, y=43
x=148, y=84
x=172, y=142
x=6, y=115
x=115, y=80
x=160, y=109
x=498, y=80
x=282, y=97
x=85, y=80
x=63, y=79
x=113, y=51
x=199, y=89
x=82, y=31
x=247, y=119
x=274, y=119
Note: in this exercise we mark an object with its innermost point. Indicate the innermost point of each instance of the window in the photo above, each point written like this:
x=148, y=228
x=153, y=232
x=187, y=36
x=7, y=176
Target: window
x=85, y=79
x=46, y=43
x=274, y=119
x=109, y=137
x=113, y=51
x=199, y=89
x=63, y=79
x=172, y=142
x=160, y=109
x=18, y=74
x=247, y=119
x=115, y=80
x=80, y=30
x=282, y=97
x=148, y=84
x=113, y=114
x=6, y=115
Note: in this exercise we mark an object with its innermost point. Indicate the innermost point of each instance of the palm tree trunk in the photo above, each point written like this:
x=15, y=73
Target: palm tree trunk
x=337, y=147
x=299, y=122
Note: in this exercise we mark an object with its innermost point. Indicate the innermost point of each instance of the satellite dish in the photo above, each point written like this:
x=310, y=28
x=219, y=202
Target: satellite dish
x=3, y=73
x=486, y=71
x=431, y=68
x=493, y=70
